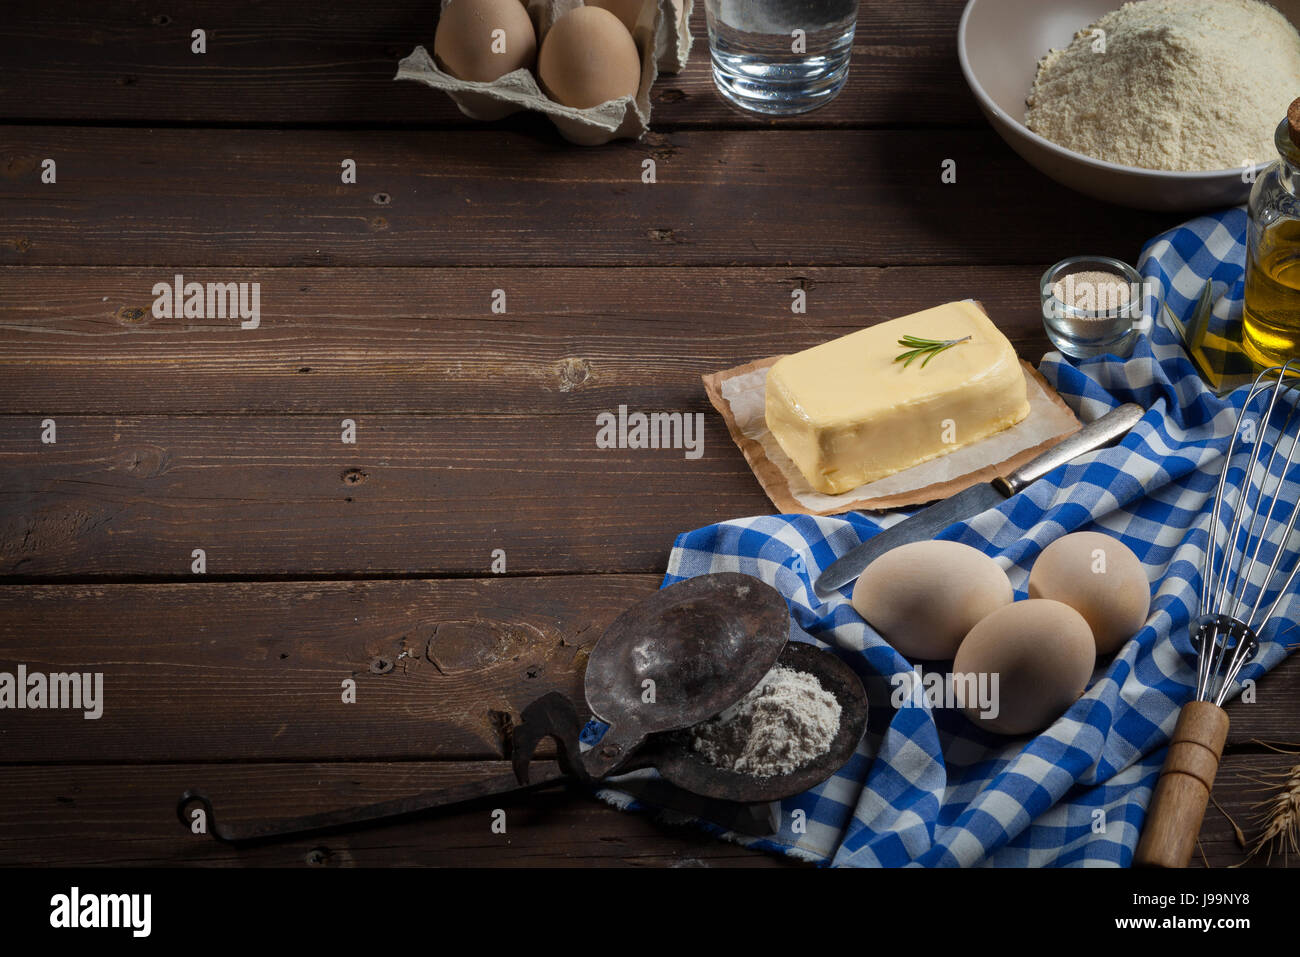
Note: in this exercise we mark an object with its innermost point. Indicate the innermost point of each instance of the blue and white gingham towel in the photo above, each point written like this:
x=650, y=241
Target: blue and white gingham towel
x=927, y=786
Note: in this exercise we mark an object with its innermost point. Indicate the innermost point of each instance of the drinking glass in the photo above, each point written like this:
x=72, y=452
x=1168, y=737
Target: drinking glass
x=780, y=56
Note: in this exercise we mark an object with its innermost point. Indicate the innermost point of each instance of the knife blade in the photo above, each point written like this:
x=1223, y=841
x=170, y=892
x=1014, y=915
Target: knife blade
x=928, y=522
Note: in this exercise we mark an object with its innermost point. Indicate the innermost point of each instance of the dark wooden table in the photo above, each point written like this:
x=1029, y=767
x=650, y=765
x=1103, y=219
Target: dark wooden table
x=475, y=430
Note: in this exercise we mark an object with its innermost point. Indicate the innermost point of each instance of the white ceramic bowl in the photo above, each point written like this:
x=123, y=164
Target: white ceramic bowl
x=1000, y=43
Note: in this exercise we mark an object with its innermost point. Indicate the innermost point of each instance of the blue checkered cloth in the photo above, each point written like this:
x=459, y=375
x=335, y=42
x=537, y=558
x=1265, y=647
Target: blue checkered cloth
x=927, y=787
x=1179, y=264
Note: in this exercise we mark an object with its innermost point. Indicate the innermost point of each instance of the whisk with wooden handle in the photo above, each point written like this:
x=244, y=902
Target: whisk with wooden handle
x=1256, y=521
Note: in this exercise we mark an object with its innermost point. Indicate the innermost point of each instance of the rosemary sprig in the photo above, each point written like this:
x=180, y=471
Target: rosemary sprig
x=917, y=347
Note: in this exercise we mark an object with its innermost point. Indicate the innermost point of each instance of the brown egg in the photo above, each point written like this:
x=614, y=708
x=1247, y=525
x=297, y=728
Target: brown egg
x=925, y=596
x=627, y=11
x=1100, y=578
x=1042, y=655
x=483, y=40
x=588, y=58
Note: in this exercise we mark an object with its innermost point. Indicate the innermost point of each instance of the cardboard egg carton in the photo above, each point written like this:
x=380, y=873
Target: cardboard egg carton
x=662, y=37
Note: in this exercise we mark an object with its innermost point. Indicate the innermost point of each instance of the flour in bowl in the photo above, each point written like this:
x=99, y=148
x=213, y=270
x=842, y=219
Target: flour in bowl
x=787, y=720
x=1171, y=85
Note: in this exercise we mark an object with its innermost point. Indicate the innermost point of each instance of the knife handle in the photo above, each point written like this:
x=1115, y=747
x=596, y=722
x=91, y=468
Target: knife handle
x=1110, y=428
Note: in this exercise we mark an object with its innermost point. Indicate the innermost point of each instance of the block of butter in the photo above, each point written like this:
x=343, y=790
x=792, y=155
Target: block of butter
x=847, y=413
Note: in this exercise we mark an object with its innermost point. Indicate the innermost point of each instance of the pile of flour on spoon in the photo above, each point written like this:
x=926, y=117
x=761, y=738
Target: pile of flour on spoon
x=1171, y=85
x=786, y=721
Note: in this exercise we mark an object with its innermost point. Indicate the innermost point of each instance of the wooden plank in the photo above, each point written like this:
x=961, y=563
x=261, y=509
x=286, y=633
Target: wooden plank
x=280, y=63
x=244, y=671
x=254, y=672
x=426, y=495
x=124, y=816
x=240, y=676
x=1271, y=716
x=80, y=340
x=240, y=198
x=95, y=816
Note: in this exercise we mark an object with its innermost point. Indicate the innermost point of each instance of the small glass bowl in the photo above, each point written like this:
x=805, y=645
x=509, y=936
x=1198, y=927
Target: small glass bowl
x=1080, y=333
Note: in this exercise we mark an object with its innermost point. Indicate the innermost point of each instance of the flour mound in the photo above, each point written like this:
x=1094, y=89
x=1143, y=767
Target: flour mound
x=786, y=721
x=1189, y=85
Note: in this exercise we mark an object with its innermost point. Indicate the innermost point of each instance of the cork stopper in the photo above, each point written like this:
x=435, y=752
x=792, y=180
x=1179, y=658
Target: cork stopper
x=1293, y=121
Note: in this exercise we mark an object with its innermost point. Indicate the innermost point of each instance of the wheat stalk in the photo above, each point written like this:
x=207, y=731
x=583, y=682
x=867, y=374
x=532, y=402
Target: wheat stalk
x=1278, y=816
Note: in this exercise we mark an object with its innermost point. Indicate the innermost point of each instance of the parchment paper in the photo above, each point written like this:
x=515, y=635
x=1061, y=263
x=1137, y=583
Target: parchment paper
x=738, y=394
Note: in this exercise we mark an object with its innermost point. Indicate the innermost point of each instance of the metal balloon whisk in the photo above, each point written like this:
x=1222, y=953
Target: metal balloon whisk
x=1246, y=554
x=1227, y=629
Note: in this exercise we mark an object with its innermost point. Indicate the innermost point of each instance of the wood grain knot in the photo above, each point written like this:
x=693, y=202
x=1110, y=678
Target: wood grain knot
x=381, y=666
x=571, y=373
x=144, y=461
x=52, y=528
x=661, y=148
x=471, y=645
x=318, y=856
x=354, y=476
x=20, y=164
x=381, y=199
x=133, y=316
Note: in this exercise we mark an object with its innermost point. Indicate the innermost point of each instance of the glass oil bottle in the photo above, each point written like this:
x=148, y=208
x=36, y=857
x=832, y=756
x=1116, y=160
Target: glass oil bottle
x=1271, y=323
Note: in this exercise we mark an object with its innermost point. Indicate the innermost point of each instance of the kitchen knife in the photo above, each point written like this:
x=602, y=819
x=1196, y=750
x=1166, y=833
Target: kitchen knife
x=928, y=522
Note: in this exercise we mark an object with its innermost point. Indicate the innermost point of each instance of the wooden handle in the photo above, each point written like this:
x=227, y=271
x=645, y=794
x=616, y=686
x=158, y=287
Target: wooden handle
x=1178, y=805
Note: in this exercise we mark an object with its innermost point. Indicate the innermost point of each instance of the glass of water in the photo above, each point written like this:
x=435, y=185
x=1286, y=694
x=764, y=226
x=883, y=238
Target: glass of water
x=780, y=56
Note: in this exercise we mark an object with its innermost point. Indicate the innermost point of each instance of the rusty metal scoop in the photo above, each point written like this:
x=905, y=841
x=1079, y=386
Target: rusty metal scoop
x=680, y=657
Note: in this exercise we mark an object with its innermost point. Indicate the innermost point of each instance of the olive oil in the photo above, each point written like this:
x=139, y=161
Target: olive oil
x=1271, y=318
x=1271, y=330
